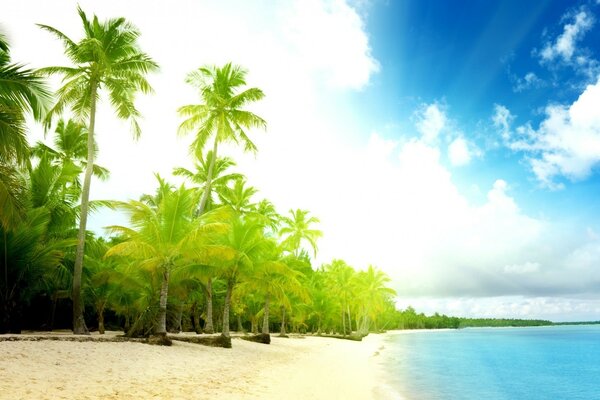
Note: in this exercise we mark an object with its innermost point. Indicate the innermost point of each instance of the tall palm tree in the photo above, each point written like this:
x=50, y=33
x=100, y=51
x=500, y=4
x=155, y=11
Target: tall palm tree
x=297, y=229
x=221, y=115
x=22, y=91
x=199, y=177
x=107, y=58
x=162, y=238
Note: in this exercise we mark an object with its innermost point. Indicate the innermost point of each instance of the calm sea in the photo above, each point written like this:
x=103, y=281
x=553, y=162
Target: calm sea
x=549, y=363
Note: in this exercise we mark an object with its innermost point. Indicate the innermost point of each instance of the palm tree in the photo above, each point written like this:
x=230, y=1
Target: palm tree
x=162, y=238
x=221, y=115
x=297, y=229
x=371, y=284
x=70, y=148
x=22, y=91
x=341, y=279
x=199, y=177
x=265, y=211
x=107, y=58
x=235, y=252
x=238, y=197
x=271, y=276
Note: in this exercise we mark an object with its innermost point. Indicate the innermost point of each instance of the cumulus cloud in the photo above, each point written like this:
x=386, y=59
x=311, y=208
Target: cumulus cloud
x=431, y=121
x=565, y=45
x=530, y=80
x=329, y=36
x=565, y=48
x=502, y=120
x=566, y=144
x=459, y=152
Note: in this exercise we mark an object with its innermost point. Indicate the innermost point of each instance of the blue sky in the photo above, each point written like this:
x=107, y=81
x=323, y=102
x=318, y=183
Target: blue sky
x=470, y=57
x=454, y=145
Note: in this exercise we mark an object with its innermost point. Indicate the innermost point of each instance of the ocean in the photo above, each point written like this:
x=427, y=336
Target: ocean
x=537, y=363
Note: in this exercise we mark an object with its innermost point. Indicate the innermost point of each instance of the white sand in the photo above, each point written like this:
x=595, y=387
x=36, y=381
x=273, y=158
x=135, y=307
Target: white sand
x=294, y=368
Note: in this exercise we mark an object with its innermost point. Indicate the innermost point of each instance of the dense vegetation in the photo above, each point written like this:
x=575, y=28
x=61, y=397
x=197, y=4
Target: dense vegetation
x=207, y=255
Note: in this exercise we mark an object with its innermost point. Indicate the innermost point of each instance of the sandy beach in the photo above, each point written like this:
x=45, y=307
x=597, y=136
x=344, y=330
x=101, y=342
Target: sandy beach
x=288, y=368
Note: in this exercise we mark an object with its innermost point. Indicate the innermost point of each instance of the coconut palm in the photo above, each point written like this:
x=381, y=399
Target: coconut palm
x=238, y=197
x=108, y=59
x=22, y=92
x=297, y=229
x=341, y=282
x=372, y=286
x=221, y=115
x=235, y=252
x=70, y=148
x=266, y=212
x=199, y=177
x=271, y=276
x=162, y=238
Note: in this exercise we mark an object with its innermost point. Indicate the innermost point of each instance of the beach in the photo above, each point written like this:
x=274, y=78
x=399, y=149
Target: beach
x=300, y=367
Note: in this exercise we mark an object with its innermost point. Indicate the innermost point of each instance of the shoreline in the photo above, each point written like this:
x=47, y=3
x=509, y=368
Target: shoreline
x=299, y=367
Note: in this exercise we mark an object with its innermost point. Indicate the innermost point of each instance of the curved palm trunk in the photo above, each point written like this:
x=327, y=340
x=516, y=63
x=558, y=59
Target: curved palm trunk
x=225, y=330
x=265, y=327
x=79, y=326
x=161, y=326
x=209, y=177
x=208, y=326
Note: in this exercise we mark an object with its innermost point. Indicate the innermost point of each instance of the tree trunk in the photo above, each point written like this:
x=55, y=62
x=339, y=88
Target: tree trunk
x=265, y=327
x=253, y=325
x=240, y=328
x=79, y=327
x=207, y=187
x=349, y=320
x=161, y=326
x=343, y=323
x=101, y=319
x=225, y=330
x=208, y=326
x=282, y=332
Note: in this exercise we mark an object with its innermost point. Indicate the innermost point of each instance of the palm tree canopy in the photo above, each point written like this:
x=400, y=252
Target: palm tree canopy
x=199, y=177
x=221, y=114
x=238, y=197
x=107, y=57
x=21, y=91
x=70, y=148
x=297, y=228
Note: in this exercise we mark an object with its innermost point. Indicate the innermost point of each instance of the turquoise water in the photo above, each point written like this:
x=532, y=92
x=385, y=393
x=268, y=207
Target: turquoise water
x=548, y=363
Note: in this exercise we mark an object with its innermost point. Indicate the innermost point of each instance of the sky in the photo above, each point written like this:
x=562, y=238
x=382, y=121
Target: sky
x=454, y=145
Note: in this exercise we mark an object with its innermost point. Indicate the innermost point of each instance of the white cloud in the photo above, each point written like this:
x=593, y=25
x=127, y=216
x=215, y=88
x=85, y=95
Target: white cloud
x=530, y=80
x=525, y=268
x=431, y=122
x=565, y=44
x=542, y=307
x=459, y=152
x=565, y=48
x=329, y=36
x=502, y=119
x=566, y=142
